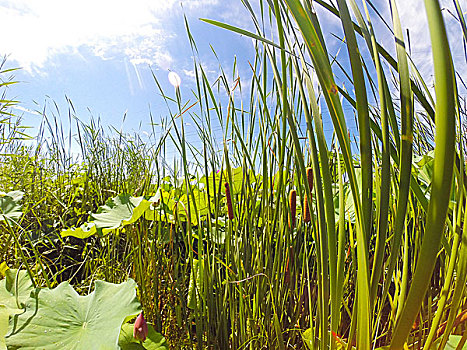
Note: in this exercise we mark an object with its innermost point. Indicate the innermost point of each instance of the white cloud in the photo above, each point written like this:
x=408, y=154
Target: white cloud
x=27, y=110
x=139, y=30
x=414, y=19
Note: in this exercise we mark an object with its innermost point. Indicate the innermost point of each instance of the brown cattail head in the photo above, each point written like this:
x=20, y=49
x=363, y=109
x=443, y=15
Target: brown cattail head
x=228, y=198
x=416, y=324
x=306, y=211
x=309, y=177
x=288, y=267
x=293, y=208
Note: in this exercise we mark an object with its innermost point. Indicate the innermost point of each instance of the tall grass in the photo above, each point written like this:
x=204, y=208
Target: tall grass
x=302, y=241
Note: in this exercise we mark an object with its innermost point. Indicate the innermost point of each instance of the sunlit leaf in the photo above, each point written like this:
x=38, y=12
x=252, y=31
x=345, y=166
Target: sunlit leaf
x=60, y=318
x=195, y=285
x=84, y=231
x=10, y=209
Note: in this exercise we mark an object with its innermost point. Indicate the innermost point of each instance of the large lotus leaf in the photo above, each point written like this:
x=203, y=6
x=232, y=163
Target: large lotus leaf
x=212, y=183
x=423, y=166
x=116, y=213
x=349, y=202
x=10, y=209
x=15, y=290
x=119, y=211
x=217, y=233
x=84, y=231
x=235, y=186
x=165, y=206
x=201, y=200
x=452, y=343
x=349, y=205
x=161, y=207
x=196, y=284
x=158, y=214
x=80, y=180
x=154, y=340
x=59, y=318
x=308, y=339
x=4, y=316
x=201, y=208
x=239, y=176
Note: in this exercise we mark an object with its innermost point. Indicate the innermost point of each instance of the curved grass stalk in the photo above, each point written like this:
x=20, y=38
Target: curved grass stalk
x=383, y=200
x=324, y=204
x=442, y=175
x=405, y=162
x=363, y=117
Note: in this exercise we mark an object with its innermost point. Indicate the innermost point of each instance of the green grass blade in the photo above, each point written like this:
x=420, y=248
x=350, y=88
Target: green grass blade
x=442, y=175
x=363, y=117
x=405, y=162
x=330, y=92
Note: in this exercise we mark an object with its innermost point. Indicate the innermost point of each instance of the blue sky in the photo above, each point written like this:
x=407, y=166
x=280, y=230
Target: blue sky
x=98, y=52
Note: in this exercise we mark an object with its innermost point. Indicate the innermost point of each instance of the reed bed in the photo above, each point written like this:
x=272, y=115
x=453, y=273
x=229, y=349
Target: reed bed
x=272, y=236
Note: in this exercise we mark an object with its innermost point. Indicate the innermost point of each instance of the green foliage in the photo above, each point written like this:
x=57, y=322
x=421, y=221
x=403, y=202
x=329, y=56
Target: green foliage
x=10, y=208
x=60, y=318
x=358, y=274
x=15, y=290
x=116, y=213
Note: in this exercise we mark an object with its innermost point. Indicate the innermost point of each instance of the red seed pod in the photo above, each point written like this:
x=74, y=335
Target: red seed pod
x=306, y=211
x=229, y=201
x=293, y=208
x=140, y=331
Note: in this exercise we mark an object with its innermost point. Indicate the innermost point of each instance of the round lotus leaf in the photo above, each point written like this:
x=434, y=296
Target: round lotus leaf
x=60, y=318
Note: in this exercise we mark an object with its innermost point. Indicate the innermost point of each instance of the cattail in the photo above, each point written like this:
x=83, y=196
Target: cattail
x=306, y=211
x=288, y=266
x=140, y=331
x=309, y=177
x=416, y=323
x=293, y=208
x=229, y=201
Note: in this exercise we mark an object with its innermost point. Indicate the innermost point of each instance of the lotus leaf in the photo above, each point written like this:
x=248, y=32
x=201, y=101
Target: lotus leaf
x=452, y=343
x=10, y=209
x=84, y=231
x=307, y=337
x=115, y=214
x=166, y=206
x=59, y=318
x=161, y=208
x=195, y=285
x=4, y=316
x=119, y=211
x=15, y=289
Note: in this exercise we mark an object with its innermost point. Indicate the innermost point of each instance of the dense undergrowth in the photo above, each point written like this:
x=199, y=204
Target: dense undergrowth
x=276, y=237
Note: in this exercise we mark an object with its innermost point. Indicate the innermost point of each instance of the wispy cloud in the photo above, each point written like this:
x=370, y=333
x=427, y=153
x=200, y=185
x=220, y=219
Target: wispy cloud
x=26, y=110
x=414, y=21
x=139, y=30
